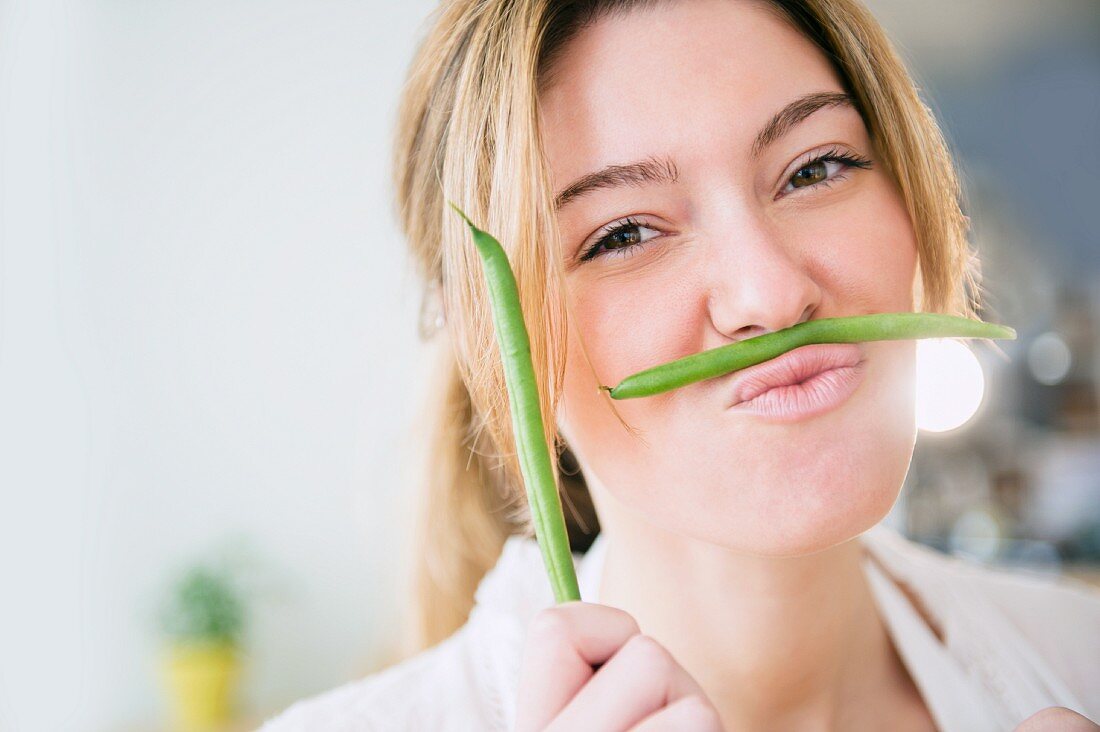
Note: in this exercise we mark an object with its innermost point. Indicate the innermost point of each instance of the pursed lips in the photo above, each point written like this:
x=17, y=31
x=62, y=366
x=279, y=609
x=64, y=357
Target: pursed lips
x=793, y=367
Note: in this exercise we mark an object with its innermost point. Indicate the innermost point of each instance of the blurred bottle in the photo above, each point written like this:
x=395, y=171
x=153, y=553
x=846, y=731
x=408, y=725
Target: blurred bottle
x=1075, y=402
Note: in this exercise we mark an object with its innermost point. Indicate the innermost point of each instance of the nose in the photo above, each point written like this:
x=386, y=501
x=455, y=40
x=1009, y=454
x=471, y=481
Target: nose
x=757, y=282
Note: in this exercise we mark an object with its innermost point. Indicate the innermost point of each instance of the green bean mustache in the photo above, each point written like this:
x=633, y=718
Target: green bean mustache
x=751, y=351
x=527, y=423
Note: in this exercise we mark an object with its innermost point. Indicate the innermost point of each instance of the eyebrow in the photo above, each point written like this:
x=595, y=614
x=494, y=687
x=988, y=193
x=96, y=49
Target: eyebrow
x=794, y=113
x=652, y=170
x=663, y=170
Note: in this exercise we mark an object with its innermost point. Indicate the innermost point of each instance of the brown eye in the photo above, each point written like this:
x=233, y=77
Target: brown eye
x=623, y=238
x=815, y=172
x=824, y=170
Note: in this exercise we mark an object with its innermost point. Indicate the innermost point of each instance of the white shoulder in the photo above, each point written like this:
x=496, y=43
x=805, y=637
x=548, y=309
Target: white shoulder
x=435, y=689
x=1060, y=618
x=1055, y=619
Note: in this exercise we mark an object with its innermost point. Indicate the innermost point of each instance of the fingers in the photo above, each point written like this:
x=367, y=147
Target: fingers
x=640, y=679
x=563, y=644
x=692, y=713
x=1057, y=718
x=588, y=667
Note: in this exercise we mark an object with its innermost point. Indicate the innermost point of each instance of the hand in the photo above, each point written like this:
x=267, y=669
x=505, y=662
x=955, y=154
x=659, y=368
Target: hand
x=588, y=667
x=1057, y=719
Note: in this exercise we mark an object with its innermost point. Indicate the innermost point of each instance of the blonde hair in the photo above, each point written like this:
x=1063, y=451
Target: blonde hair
x=468, y=132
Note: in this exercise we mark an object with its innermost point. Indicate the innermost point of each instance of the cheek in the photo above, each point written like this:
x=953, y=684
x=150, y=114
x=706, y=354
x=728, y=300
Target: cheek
x=623, y=441
x=871, y=260
x=638, y=320
x=632, y=324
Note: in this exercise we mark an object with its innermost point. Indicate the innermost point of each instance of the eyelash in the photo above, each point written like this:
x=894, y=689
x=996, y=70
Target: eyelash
x=850, y=160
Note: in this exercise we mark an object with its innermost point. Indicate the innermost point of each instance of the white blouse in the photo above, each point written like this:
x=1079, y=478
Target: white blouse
x=1014, y=643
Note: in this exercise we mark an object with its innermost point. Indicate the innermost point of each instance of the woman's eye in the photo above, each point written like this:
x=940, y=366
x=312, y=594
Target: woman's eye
x=815, y=172
x=621, y=238
x=824, y=170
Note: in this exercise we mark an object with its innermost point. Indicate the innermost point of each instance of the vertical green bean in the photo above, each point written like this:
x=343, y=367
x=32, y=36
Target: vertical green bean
x=527, y=422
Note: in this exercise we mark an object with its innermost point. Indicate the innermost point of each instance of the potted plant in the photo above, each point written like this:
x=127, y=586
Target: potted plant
x=203, y=621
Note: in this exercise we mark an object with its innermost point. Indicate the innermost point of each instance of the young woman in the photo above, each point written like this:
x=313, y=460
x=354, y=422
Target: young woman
x=668, y=177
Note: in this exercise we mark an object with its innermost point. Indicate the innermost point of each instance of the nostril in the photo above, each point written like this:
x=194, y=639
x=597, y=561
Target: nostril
x=749, y=331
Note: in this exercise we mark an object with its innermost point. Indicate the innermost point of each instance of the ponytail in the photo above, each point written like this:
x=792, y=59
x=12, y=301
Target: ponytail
x=463, y=512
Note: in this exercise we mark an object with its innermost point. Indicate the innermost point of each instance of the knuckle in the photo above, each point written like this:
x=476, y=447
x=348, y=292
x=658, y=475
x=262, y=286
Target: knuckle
x=611, y=617
x=548, y=626
x=647, y=652
x=627, y=620
x=1059, y=718
x=698, y=714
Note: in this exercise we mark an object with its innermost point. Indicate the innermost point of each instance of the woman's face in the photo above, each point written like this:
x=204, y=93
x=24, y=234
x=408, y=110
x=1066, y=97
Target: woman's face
x=749, y=237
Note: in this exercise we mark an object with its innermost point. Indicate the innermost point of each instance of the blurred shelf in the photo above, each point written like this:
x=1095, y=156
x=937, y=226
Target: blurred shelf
x=1089, y=573
x=242, y=725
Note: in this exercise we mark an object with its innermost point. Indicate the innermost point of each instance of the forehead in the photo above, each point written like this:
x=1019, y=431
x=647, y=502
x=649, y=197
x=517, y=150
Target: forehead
x=689, y=78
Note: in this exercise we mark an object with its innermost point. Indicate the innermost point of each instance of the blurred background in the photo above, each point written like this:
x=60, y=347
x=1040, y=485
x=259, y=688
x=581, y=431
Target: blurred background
x=209, y=367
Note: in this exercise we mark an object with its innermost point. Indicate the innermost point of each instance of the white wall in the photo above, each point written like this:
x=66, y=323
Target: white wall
x=207, y=329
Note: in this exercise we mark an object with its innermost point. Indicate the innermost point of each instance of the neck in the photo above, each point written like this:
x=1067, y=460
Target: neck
x=776, y=643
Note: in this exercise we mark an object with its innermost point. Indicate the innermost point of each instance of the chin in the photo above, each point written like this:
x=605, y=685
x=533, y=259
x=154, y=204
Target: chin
x=786, y=507
x=852, y=483
x=792, y=533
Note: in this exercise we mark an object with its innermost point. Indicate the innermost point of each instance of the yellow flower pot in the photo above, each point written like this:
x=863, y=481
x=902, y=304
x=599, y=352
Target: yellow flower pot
x=201, y=679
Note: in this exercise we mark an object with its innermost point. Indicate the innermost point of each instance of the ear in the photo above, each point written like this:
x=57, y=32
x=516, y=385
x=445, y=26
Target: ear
x=567, y=461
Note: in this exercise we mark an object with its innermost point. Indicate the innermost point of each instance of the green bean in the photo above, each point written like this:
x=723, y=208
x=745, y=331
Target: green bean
x=527, y=423
x=733, y=356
